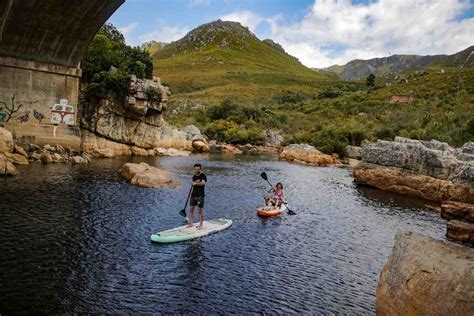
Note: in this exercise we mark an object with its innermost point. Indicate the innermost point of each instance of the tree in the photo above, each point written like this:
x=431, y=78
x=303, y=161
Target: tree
x=108, y=49
x=371, y=80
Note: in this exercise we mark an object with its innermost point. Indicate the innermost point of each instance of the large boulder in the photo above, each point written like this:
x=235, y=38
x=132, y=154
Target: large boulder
x=191, y=132
x=272, y=138
x=173, y=152
x=434, y=158
x=146, y=176
x=424, y=276
x=200, y=145
x=6, y=167
x=16, y=159
x=354, y=152
x=6, y=141
x=305, y=153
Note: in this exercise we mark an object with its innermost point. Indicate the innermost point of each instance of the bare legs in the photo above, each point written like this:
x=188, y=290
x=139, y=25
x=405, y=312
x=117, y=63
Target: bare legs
x=201, y=217
x=191, y=217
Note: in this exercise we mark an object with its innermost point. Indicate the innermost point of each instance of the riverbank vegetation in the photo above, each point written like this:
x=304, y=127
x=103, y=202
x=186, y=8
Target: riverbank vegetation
x=348, y=113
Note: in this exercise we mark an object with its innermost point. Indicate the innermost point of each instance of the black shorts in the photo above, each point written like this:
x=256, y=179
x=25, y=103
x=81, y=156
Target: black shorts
x=197, y=200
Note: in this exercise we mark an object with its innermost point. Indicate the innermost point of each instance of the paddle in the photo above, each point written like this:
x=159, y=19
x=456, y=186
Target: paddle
x=183, y=211
x=264, y=176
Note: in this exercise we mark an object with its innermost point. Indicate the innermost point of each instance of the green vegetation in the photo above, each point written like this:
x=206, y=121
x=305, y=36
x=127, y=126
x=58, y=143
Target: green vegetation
x=237, y=87
x=223, y=60
x=108, y=63
x=249, y=86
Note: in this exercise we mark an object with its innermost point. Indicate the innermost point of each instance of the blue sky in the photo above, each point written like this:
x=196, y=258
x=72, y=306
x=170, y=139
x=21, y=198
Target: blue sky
x=320, y=33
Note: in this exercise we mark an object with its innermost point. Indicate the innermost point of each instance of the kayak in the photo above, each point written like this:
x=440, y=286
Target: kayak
x=272, y=212
x=183, y=233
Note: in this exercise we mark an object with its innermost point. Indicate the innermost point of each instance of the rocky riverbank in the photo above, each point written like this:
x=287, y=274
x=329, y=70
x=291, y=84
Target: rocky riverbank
x=428, y=170
x=307, y=154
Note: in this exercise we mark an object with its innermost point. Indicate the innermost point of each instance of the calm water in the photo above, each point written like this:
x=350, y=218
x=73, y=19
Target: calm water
x=77, y=239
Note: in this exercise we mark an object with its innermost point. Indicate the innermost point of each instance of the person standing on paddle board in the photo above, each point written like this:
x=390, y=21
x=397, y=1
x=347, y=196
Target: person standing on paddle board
x=197, y=195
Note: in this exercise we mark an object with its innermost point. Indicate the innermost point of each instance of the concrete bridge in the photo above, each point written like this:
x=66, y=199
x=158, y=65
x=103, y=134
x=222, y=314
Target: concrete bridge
x=41, y=46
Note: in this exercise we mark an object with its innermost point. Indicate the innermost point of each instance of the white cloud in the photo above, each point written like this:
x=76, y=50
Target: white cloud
x=164, y=33
x=250, y=19
x=127, y=32
x=335, y=32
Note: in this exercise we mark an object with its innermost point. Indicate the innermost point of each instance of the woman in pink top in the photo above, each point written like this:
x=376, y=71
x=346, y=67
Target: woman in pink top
x=277, y=197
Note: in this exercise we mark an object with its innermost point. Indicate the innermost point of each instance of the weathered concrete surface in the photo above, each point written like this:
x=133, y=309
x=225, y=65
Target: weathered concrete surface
x=51, y=31
x=41, y=45
x=424, y=276
x=28, y=90
x=42, y=134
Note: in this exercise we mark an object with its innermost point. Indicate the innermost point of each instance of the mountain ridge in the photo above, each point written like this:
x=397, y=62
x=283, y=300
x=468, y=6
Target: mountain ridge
x=396, y=64
x=223, y=58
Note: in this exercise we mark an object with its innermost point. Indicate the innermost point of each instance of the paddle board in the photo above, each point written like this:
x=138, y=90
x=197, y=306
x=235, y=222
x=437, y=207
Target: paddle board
x=186, y=233
x=276, y=211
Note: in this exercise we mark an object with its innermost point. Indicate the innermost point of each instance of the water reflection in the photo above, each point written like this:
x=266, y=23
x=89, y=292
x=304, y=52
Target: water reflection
x=75, y=239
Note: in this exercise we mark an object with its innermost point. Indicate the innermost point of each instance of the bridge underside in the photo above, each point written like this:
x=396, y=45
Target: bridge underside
x=41, y=45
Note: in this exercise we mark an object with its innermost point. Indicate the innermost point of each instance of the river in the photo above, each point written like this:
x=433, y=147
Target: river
x=76, y=238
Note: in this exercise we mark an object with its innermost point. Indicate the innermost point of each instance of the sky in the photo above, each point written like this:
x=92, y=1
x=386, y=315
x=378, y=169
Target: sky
x=320, y=33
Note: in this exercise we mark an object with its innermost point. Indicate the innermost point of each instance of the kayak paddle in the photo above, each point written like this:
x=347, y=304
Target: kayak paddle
x=183, y=211
x=264, y=176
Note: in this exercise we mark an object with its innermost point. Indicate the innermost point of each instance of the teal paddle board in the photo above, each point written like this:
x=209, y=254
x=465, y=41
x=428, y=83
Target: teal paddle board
x=183, y=233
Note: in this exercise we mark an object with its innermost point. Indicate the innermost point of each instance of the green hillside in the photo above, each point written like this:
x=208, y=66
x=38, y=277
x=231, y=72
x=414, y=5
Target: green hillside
x=237, y=86
x=222, y=60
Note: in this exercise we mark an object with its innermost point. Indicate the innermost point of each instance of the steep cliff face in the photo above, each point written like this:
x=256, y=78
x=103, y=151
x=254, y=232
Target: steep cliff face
x=137, y=120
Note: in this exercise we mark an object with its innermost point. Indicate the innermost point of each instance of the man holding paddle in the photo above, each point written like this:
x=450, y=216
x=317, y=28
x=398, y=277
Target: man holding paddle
x=197, y=195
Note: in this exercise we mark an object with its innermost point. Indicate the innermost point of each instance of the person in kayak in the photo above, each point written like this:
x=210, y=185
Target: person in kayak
x=278, y=196
x=197, y=195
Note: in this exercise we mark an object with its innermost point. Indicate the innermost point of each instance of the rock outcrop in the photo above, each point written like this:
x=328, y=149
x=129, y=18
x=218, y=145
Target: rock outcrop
x=6, y=167
x=225, y=149
x=460, y=218
x=429, y=170
x=424, y=276
x=135, y=120
x=6, y=148
x=304, y=153
x=146, y=176
x=6, y=141
x=354, y=152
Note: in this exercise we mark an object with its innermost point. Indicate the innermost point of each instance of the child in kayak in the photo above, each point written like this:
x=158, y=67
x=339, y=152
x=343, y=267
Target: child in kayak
x=278, y=196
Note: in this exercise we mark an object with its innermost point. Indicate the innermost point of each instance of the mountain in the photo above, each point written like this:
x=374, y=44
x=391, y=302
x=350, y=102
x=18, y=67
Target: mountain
x=223, y=59
x=396, y=64
x=153, y=46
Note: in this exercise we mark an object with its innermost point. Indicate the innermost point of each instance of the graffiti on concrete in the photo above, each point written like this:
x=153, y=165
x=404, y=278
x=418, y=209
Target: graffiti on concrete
x=9, y=111
x=63, y=113
x=38, y=115
x=25, y=117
